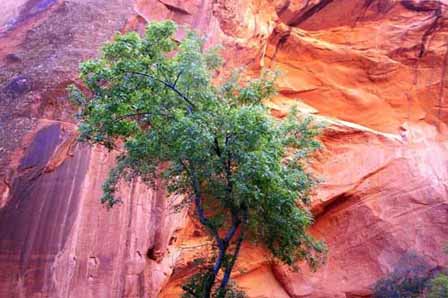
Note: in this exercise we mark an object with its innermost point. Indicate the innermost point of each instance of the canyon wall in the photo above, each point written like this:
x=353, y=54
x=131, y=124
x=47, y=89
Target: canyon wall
x=373, y=70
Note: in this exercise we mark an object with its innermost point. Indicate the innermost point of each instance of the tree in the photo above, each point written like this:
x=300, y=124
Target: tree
x=243, y=170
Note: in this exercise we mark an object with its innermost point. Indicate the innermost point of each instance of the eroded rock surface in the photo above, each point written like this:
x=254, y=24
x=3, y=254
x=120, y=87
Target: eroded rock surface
x=374, y=70
x=56, y=240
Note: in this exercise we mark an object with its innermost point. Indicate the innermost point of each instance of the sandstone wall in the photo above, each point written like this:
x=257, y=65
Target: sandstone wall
x=374, y=70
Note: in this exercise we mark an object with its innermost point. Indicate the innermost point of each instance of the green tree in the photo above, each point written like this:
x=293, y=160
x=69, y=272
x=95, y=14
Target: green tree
x=216, y=144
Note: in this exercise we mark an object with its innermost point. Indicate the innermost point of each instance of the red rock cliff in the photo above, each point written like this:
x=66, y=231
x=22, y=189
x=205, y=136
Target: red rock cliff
x=374, y=70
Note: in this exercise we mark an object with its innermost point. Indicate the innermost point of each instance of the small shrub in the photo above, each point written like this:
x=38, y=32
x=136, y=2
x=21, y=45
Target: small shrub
x=195, y=287
x=438, y=286
x=409, y=279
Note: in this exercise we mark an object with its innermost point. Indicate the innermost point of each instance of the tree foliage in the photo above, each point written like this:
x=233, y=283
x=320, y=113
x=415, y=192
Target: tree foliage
x=243, y=170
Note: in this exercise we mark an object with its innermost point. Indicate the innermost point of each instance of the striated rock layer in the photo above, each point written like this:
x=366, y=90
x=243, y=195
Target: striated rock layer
x=373, y=70
x=56, y=240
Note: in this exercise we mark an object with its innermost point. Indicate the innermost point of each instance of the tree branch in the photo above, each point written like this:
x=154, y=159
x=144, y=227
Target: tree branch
x=235, y=224
x=227, y=167
x=169, y=86
x=217, y=149
x=131, y=115
x=177, y=78
x=198, y=204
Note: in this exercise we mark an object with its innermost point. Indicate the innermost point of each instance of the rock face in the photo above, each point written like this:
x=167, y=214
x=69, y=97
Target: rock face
x=56, y=240
x=374, y=70
x=370, y=219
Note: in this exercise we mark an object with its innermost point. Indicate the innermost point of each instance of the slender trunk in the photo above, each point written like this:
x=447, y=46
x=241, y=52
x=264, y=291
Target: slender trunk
x=210, y=281
x=218, y=263
x=228, y=271
x=222, y=245
x=229, y=268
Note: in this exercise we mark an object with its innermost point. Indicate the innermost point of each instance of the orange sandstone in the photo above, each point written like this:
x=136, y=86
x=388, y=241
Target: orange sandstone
x=373, y=70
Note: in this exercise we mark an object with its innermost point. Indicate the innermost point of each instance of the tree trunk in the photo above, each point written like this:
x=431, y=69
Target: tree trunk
x=210, y=281
x=229, y=268
x=239, y=242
